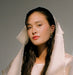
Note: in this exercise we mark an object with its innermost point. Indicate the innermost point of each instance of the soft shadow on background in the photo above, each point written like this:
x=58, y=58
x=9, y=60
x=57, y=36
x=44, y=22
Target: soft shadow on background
x=12, y=16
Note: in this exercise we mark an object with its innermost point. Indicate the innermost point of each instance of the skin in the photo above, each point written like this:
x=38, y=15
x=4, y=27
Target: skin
x=38, y=25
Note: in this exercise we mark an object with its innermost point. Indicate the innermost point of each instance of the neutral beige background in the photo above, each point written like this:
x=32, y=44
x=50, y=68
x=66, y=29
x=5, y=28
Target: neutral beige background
x=12, y=16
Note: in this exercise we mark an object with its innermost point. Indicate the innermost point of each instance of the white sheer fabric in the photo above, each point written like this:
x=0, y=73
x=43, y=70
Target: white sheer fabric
x=37, y=68
x=61, y=63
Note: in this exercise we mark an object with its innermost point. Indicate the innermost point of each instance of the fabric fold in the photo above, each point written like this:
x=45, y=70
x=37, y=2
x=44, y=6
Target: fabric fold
x=58, y=54
x=57, y=63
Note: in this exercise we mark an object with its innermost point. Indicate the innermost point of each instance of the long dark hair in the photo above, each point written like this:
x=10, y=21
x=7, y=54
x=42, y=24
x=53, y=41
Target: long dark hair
x=30, y=50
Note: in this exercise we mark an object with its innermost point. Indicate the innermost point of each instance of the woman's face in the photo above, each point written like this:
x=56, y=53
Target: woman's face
x=38, y=28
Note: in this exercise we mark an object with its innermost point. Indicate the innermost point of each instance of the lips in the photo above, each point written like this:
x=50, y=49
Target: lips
x=35, y=37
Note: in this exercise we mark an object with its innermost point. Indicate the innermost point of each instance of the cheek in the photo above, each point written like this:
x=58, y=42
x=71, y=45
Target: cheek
x=29, y=34
x=45, y=30
x=45, y=33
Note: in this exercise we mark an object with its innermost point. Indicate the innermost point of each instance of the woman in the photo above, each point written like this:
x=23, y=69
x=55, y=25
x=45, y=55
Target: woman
x=43, y=47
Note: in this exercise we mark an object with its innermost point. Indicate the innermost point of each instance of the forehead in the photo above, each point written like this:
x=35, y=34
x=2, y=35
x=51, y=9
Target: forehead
x=36, y=17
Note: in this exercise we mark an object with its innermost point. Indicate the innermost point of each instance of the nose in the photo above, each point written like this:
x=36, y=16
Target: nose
x=34, y=30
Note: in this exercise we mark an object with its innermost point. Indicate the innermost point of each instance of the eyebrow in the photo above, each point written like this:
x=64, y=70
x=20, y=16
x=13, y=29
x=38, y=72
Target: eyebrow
x=35, y=22
x=27, y=24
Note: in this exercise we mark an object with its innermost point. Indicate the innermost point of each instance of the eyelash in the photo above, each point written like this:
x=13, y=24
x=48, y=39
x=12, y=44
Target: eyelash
x=39, y=24
x=28, y=28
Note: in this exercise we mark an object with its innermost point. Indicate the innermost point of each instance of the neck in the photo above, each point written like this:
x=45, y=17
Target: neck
x=42, y=52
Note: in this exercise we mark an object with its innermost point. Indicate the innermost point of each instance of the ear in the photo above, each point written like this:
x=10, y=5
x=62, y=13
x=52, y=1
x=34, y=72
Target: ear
x=52, y=28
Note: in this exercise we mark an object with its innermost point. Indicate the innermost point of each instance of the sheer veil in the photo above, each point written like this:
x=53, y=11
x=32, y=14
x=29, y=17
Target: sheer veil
x=57, y=63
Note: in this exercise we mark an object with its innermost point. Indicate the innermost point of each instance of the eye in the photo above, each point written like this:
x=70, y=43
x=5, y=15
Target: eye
x=28, y=28
x=39, y=24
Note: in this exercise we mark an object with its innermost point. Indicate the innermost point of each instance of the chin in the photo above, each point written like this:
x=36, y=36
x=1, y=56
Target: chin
x=36, y=43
